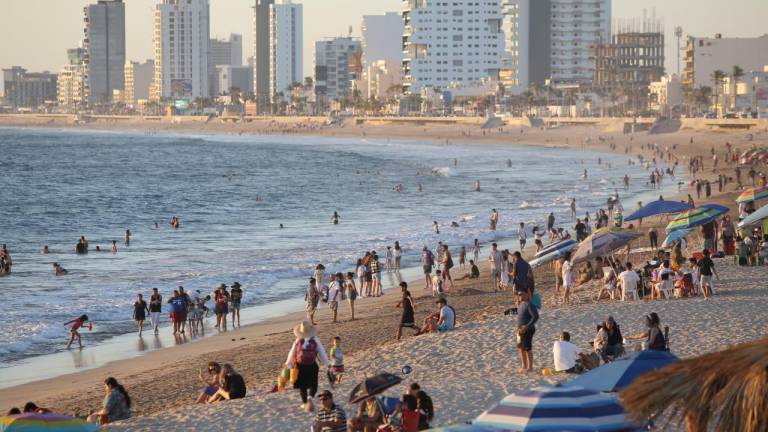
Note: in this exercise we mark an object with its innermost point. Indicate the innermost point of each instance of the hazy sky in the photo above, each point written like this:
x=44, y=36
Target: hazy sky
x=36, y=33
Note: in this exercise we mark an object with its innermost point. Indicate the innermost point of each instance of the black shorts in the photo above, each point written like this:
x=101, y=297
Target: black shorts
x=427, y=269
x=526, y=339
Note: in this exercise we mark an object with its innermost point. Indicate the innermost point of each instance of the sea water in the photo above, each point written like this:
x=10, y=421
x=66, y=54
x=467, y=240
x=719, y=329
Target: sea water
x=231, y=194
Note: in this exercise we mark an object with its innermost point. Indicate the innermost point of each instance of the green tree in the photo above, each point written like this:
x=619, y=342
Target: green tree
x=736, y=73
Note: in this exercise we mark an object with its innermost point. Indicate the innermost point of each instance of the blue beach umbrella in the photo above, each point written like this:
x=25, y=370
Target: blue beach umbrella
x=557, y=408
x=675, y=236
x=755, y=218
x=658, y=207
x=620, y=373
x=469, y=428
x=555, y=246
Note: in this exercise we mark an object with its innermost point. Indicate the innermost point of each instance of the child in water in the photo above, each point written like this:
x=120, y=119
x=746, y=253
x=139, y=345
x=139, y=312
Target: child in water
x=76, y=324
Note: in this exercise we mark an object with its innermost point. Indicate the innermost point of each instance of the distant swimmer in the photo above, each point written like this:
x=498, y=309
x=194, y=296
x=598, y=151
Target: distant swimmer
x=455, y=224
x=494, y=219
x=420, y=188
x=509, y=163
x=157, y=226
x=585, y=173
x=175, y=222
x=436, y=227
x=477, y=185
x=59, y=270
x=45, y=249
x=127, y=237
x=114, y=246
x=281, y=226
x=455, y=162
x=335, y=218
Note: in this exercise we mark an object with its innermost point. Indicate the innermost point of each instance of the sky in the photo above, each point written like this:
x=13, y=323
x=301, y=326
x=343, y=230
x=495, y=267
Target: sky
x=36, y=33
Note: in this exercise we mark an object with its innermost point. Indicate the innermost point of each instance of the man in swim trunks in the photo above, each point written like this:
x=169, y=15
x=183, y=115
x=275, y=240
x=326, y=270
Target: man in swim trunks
x=235, y=296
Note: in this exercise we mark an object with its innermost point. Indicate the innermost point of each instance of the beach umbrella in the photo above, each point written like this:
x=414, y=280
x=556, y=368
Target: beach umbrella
x=555, y=246
x=373, y=386
x=723, y=391
x=753, y=194
x=658, y=207
x=602, y=242
x=755, y=218
x=36, y=422
x=557, y=408
x=675, y=236
x=614, y=376
x=554, y=254
x=701, y=215
x=469, y=428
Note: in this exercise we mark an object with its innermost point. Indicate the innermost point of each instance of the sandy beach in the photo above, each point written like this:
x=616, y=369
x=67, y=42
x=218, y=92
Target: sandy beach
x=465, y=371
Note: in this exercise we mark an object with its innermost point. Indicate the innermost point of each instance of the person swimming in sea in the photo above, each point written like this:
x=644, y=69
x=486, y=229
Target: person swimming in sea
x=335, y=218
x=59, y=270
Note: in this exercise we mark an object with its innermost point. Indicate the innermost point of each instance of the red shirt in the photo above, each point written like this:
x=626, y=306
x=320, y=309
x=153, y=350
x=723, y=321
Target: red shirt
x=410, y=420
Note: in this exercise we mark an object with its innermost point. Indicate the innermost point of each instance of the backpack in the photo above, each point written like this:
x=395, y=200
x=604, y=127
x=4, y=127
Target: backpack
x=308, y=355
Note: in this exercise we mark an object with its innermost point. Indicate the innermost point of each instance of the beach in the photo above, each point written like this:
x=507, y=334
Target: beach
x=465, y=371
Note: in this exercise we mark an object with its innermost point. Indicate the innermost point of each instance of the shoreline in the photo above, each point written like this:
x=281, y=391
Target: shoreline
x=47, y=390
x=125, y=346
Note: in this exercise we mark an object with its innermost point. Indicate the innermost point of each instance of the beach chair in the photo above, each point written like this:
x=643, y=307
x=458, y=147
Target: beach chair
x=666, y=287
x=632, y=293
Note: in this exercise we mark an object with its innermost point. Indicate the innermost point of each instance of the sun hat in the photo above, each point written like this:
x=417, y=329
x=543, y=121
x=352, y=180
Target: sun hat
x=305, y=330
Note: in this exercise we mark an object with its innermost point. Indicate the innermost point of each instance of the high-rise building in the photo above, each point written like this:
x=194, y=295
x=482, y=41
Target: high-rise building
x=182, y=32
x=229, y=77
x=76, y=56
x=577, y=26
x=28, y=90
x=526, y=59
x=223, y=52
x=451, y=42
x=383, y=79
x=70, y=85
x=285, y=47
x=104, y=45
x=261, y=49
x=703, y=56
x=337, y=63
x=382, y=37
x=139, y=78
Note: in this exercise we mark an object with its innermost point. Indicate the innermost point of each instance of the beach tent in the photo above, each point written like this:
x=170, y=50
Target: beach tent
x=658, y=207
x=675, y=236
x=699, y=216
x=722, y=391
x=753, y=194
x=36, y=422
x=616, y=375
x=602, y=242
x=557, y=408
x=755, y=218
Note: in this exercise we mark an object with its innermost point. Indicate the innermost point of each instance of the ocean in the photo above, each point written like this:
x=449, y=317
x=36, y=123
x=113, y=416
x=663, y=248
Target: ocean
x=231, y=193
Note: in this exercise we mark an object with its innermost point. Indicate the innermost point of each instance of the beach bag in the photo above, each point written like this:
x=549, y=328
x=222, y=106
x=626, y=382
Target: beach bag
x=536, y=300
x=449, y=263
x=283, y=378
x=308, y=355
x=294, y=374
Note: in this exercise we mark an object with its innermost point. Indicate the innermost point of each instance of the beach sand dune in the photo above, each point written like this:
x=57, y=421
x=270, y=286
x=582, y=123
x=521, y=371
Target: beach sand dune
x=468, y=370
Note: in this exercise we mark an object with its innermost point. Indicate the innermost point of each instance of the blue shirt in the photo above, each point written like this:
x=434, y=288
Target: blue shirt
x=527, y=314
x=521, y=275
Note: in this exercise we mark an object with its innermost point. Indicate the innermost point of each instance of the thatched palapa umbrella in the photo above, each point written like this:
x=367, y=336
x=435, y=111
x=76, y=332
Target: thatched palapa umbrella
x=723, y=391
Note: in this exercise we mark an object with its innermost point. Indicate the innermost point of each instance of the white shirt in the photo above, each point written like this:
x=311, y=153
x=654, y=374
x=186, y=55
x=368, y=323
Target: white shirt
x=629, y=280
x=565, y=355
x=334, y=291
x=447, y=317
x=568, y=274
x=495, y=258
x=521, y=233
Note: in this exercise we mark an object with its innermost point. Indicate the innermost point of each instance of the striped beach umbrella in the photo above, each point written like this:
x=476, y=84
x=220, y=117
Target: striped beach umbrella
x=36, y=422
x=753, y=194
x=557, y=408
x=755, y=218
x=603, y=242
x=616, y=375
x=696, y=217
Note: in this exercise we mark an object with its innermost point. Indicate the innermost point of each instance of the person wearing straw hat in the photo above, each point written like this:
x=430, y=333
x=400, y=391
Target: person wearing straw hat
x=303, y=355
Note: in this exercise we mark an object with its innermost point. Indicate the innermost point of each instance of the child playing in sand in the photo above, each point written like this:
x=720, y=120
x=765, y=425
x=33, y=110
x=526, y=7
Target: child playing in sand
x=76, y=324
x=337, y=360
x=437, y=283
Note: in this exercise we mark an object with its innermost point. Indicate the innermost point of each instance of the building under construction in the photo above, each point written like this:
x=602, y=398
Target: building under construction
x=625, y=66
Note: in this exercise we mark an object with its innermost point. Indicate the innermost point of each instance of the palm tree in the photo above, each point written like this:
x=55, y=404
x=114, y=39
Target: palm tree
x=717, y=80
x=736, y=73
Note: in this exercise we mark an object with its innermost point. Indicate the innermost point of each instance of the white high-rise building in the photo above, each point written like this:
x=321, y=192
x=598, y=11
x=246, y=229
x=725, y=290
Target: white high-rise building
x=182, y=32
x=577, y=26
x=337, y=63
x=226, y=51
x=382, y=37
x=446, y=42
x=285, y=49
x=104, y=46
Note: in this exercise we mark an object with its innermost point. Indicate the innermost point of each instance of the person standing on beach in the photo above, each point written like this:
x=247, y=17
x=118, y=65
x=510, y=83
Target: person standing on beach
x=494, y=258
x=446, y=264
x=304, y=354
x=573, y=208
x=494, y=219
x=527, y=316
x=397, y=253
x=522, y=275
x=335, y=290
x=427, y=261
x=568, y=279
x=475, y=251
x=376, y=276
x=155, y=307
x=581, y=230
x=521, y=235
x=653, y=237
x=409, y=308
x=140, y=311
x=235, y=297
x=360, y=270
x=312, y=297
x=550, y=222
x=388, y=258
x=221, y=305
x=351, y=293
x=178, y=311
